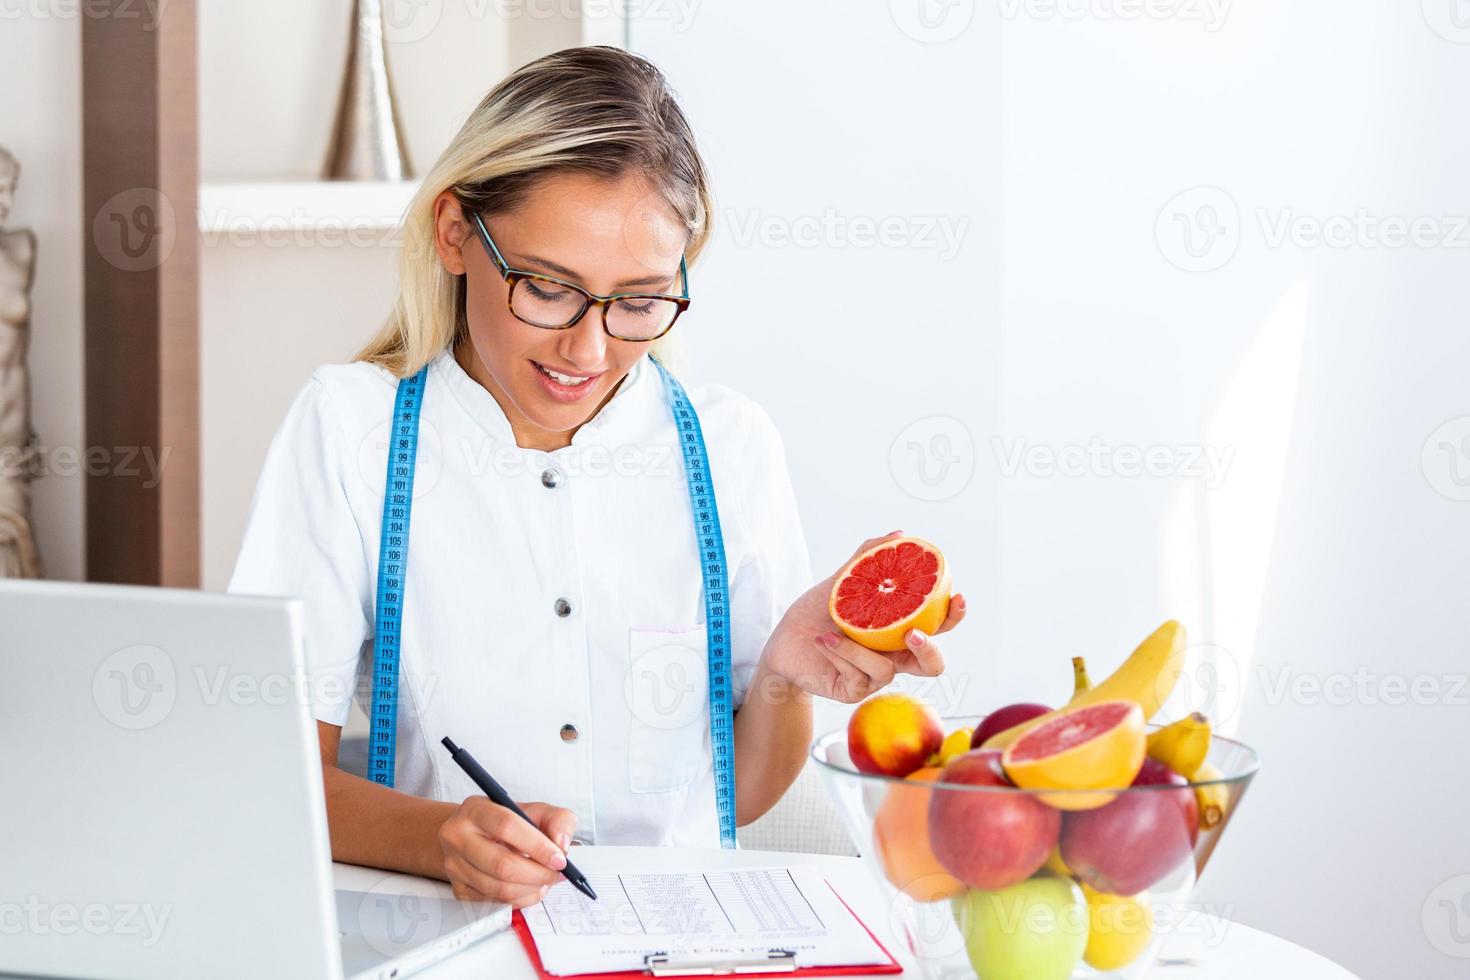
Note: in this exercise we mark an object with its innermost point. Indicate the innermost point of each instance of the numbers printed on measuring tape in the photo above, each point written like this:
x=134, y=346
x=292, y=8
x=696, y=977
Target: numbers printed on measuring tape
x=393, y=571
x=392, y=574
x=712, y=567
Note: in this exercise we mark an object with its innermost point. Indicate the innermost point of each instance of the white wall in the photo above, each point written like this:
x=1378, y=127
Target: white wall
x=261, y=118
x=853, y=286
x=270, y=118
x=275, y=307
x=40, y=73
x=1323, y=547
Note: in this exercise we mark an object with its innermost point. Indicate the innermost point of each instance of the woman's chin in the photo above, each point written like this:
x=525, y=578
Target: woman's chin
x=552, y=416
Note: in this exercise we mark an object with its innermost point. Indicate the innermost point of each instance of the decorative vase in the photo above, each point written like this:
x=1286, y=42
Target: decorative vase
x=367, y=140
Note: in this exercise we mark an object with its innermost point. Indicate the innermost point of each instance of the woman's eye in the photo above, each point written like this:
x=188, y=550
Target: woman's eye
x=644, y=308
x=546, y=292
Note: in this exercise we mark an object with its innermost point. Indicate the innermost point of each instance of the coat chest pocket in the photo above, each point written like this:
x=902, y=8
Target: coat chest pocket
x=667, y=692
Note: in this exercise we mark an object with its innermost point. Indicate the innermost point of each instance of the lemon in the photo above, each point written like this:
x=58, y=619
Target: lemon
x=1119, y=929
x=1055, y=864
x=956, y=744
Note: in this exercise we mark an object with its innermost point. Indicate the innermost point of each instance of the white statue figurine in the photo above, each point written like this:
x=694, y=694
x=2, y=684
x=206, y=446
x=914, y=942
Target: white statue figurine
x=18, y=554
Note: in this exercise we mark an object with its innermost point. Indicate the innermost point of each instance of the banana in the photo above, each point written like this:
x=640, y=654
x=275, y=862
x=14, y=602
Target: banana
x=1081, y=683
x=1183, y=745
x=1147, y=677
x=1213, y=800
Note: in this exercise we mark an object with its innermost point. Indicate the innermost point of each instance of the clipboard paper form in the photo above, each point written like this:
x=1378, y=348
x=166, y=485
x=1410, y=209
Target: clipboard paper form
x=717, y=917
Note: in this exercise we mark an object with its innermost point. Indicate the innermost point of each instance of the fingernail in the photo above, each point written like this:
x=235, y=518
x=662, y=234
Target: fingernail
x=892, y=533
x=959, y=600
x=564, y=839
x=916, y=638
x=829, y=640
x=558, y=861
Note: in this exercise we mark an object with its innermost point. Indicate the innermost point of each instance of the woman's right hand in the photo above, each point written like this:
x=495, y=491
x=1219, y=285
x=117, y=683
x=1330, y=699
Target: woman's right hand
x=491, y=854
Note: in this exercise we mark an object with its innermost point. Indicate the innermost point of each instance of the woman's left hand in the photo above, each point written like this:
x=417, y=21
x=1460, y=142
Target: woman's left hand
x=807, y=649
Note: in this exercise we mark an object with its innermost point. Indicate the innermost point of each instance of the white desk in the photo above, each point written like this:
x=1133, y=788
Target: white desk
x=1224, y=951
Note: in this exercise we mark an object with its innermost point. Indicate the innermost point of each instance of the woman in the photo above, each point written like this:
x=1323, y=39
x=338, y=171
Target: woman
x=558, y=612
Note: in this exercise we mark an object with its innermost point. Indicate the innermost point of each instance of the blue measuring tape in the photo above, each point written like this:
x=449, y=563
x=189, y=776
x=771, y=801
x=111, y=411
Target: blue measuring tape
x=710, y=543
x=392, y=579
x=403, y=448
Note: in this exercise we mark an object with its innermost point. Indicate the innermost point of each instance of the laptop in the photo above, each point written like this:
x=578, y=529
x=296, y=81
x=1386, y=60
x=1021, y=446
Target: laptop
x=163, y=811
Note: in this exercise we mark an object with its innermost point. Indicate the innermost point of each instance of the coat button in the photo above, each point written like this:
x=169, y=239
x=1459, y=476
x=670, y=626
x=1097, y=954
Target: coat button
x=563, y=608
x=551, y=478
x=569, y=733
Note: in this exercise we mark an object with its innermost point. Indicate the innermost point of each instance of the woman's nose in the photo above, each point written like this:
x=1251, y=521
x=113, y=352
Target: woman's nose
x=585, y=345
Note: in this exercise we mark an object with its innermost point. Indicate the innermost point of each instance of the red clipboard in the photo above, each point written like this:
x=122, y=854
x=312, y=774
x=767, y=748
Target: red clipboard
x=518, y=923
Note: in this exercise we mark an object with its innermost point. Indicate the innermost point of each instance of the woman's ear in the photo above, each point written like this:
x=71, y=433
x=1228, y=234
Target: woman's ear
x=451, y=232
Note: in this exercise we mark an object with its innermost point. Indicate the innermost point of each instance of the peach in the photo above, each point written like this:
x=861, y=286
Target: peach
x=892, y=735
x=901, y=838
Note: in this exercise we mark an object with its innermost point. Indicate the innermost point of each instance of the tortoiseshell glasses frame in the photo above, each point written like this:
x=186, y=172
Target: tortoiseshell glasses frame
x=657, y=305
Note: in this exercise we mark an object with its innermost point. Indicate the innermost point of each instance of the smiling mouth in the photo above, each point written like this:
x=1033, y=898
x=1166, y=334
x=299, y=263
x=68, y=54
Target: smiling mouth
x=569, y=380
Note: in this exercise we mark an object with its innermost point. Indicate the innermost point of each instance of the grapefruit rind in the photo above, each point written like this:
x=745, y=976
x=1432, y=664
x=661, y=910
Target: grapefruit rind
x=1097, y=747
x=931, y=607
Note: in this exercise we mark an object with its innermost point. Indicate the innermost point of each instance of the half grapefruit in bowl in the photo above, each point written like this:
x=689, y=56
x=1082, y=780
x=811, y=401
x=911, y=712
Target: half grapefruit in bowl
x=896, y=585
x=1094, y=747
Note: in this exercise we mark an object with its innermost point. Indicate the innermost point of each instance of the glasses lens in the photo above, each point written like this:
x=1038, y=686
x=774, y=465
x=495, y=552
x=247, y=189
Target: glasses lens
x=640, y=317
x=545, y=303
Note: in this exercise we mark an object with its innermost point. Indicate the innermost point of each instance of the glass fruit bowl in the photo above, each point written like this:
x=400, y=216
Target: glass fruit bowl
x=988, y=881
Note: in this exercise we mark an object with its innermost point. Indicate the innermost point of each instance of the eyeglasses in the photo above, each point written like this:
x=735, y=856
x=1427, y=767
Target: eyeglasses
x=555, y=304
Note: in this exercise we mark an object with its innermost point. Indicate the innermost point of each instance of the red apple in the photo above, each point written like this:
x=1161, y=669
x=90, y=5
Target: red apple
x=893, y=735
x=1138, y=839
x=1156, y=773
x=1005, y=718
x=989, y=838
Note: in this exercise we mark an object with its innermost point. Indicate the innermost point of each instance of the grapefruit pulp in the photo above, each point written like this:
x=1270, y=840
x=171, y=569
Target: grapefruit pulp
x=895, y=586
x=1096, y=747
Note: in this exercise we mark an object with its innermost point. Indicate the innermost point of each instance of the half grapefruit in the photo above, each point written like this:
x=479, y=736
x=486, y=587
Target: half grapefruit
x=889, y=589
x=1096, y=747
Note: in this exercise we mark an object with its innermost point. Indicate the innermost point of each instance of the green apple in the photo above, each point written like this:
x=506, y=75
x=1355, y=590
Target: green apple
x=1036, y=930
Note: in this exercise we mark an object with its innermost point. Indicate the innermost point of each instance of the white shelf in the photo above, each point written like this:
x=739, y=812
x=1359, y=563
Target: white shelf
x=227, y=210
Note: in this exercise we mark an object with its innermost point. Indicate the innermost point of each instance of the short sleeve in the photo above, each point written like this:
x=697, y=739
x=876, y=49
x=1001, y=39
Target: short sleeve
x=776, y=568
x=303, y=540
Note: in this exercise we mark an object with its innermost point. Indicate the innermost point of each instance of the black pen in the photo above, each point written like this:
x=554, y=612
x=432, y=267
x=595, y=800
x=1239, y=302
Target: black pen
x=499, y=796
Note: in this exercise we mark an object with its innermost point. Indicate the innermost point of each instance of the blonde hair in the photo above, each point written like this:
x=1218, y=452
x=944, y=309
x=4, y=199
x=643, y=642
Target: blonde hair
x=593, y=110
